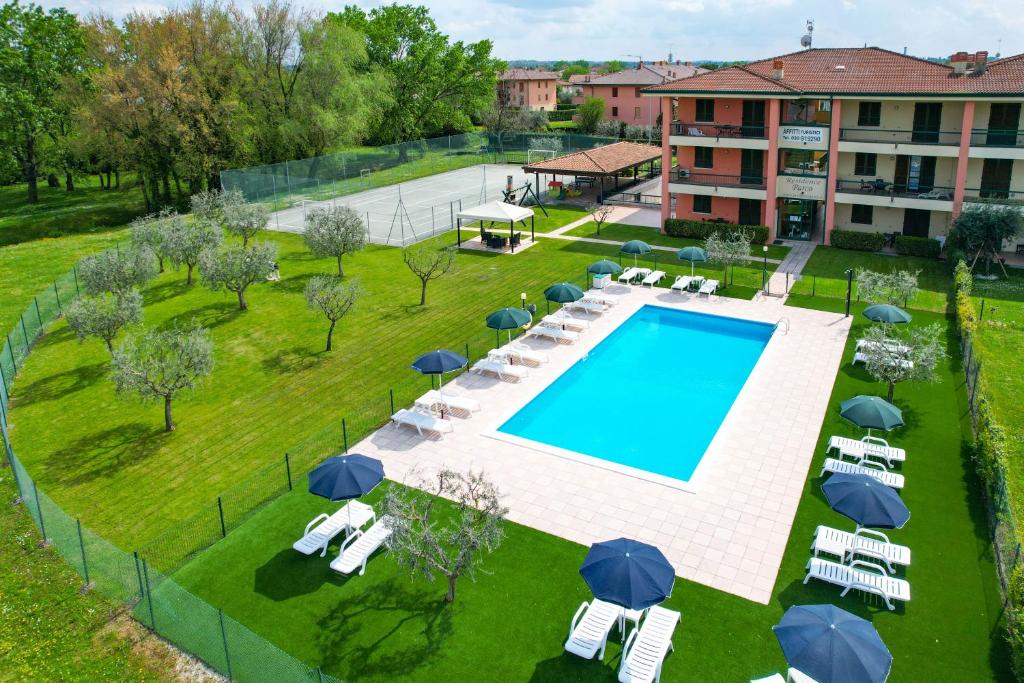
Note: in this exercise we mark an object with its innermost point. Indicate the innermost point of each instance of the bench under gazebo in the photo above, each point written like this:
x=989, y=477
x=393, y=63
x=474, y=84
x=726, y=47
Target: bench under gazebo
x=496, y=212
x=600, y=163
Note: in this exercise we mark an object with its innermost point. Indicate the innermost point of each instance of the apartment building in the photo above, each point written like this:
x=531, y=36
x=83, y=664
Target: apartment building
x=622, y=90
x=529, y=89
x=848, y=138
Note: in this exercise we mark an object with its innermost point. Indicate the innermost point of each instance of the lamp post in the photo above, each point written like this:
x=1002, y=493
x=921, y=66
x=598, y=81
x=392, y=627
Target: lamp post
x=522, y=299
x=764, y=272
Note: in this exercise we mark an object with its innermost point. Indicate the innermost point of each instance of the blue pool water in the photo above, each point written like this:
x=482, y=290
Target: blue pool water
x=652, y=394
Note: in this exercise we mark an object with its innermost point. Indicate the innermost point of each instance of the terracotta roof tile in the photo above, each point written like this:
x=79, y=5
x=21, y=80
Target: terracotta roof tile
x=648, y=74
x=527, y=75
x=598, y=161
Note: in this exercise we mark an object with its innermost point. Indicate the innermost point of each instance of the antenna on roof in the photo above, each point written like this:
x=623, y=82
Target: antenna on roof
x=807, y=38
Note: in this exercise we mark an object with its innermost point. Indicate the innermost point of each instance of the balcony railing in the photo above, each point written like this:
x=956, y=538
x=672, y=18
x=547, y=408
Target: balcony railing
x=695, y=177
x=883, y=188
x=990, y=196
x=719, y=130
x=997, y=137
x=893, y=136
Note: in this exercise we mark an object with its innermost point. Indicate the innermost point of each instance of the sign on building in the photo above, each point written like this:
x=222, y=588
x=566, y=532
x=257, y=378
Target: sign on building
x=800, y=187
x=802, y=135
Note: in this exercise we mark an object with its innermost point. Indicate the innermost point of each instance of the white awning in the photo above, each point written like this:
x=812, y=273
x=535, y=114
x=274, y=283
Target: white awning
x=498, y=212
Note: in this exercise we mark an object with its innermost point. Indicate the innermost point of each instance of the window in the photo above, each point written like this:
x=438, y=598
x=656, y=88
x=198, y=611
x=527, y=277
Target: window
x=803, y=162
x=750, y=212
x=704, y=157
x=862, y=214
x=520, y=86
x=869, y=114
x=615, y=92
x=705, y=111
x=637, y=91
x=615, y=111
x=865, y=164
x=701, y=203
x=636, y=113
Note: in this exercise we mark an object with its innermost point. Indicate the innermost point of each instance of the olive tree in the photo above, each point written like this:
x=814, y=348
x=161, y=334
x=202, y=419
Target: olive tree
x=893, y=357
x=896, y=288
x=235, y=268
x=728, y=250
x=117, y=270
x=429, y=540
x=148, y=233
x=335, y=231
x=104, y=315
x=159, y=364
x=600, y=213
x=245, y=220
x=980, y=231
x=333, y=298
x=210, y=206
x=186, y=241
x=428, y=263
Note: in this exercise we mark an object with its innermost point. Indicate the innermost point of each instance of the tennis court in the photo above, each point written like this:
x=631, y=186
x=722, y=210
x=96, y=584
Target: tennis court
x=405, y=213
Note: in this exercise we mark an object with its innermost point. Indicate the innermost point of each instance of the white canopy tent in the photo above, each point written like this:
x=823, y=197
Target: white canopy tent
x=497, y=212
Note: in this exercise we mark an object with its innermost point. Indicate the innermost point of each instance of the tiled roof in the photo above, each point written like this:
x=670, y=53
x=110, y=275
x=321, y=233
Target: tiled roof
x=576, y=79
x=825, y=71
x=648, y=74
x=528, y=75
x=598, y=161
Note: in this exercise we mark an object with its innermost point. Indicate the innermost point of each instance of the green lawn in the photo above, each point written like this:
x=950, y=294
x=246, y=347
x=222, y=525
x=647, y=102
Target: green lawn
x=623, y=233
x=87, y=210
x=825, y=275
x=514, y=619
x=106, y=457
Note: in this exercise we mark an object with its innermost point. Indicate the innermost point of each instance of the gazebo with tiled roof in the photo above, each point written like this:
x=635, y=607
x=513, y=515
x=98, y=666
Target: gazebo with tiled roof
x=608, y=161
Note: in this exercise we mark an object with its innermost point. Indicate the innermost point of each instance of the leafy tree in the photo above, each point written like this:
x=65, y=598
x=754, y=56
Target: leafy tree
x=427, y=540
x=428, y=263
x=600, y=213
x=236, y=268
x=331, y=297
x=185, y=241
x=436, y=83
x=159, y=364
x=104, y=315
x=609, y=128
x=589, y=114
x=246, y=220
x=979, y=232
x=335, y=231
x=893, y=357
x=612, y=66
x=117, y=270
x=574, y=70
x=729, y=250
x=896, y=288
x=148, y=233
x=39, y=50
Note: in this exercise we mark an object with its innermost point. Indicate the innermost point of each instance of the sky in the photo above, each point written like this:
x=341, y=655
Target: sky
x=694, y=29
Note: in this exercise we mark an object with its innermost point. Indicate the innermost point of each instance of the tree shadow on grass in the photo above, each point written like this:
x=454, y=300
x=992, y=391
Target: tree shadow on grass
x=101, y=454
x=61, y=384
x=567, y=667
x=298, y=359
x=296, y=284
x=387, y=630
x=289, y=574
x=166, y=290
x=209, y=316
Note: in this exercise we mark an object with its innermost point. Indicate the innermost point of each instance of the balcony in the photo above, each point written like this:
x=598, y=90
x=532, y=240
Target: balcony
x=996, y=137
x=990, y=196
x=900, y=136
x=689, y=177
x=719, y=130
x=880, y=192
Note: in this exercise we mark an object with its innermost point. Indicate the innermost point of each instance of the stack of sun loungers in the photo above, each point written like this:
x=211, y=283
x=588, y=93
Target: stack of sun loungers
x=863, y=559
x=898, y=353
x=644, y=650
x=633, y=274
x=359, y=543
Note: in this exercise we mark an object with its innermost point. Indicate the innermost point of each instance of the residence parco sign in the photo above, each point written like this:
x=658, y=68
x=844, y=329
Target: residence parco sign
x=800, y=187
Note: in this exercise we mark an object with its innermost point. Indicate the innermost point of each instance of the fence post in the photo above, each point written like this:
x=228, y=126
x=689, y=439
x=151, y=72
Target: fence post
x=467, y=353
x=74, y=270
x=849, y=290
x=10, y=350
x=14, y=471
x=39, y=316
x=57, y=294
x=288, y=470
x=319, y=675
x=224, y=637
x=391, y=394
x=344, y=434
x=814, y=285
x=39, y=511
x=149, y=596
x=3, y=381
x=138, y=574
x=24, y=331
x=220, y=509
x=85, y=562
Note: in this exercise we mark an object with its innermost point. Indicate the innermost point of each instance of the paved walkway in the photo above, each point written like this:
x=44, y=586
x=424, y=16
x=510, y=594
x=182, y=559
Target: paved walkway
x=789, y=270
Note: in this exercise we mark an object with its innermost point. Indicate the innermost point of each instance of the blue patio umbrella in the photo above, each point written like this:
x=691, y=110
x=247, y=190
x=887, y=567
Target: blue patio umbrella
x=342, y=477
x=508, y=319
x=439, y=362
x=636, y=248
x=604, y=267
x=562, y=293
x=886, y=313
x=871, y=412
x=832, y=646
x=628, y=573
x=866, y=501
x=693, y=255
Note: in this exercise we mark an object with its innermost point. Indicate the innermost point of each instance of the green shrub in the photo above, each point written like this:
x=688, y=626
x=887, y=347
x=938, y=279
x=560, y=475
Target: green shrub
x=561, y=115
x=918, y=246
x=701, y=230
x=857, y=240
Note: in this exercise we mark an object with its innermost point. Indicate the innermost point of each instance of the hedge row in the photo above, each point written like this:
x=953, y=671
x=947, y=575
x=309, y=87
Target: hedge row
x=561, y=115
x=677, y=227
x=857, y=240
x=918, y=246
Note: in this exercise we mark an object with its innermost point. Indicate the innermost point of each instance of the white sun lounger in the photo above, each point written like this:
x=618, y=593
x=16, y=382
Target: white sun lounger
x=453, y=403
x=629, y=274
x=524, y=354
x=322, y=529
x=890, y=346
x=867, y=542
x=861, y=357
x=601, y=298
x=868, y=447
x=708, y=288
x=422, y=422
x=587, y=306
x=504, y=371
x=588, y=632
x=868, y=467
x=654, y=278
x=563, y=319
x=859, y=575
x=358, y=547
x=792, y=676
x=645, y=649
x=682, y=283
x=556, y=333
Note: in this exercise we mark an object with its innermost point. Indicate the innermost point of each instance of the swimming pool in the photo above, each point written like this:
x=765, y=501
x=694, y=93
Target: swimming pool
x=651, y=395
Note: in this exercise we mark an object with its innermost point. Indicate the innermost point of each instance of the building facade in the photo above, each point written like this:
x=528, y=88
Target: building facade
x=622, y=91
x=853, y=139
x=528, y=89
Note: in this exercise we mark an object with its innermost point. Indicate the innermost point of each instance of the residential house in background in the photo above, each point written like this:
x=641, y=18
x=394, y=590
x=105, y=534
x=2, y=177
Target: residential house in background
x=621, y=91
x=528, y=89
x=850, y=138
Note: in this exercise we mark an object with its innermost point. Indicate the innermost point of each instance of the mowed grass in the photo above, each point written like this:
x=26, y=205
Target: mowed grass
x=621, y=232
x=106, y=457
x=513, y=620
x=825, y=275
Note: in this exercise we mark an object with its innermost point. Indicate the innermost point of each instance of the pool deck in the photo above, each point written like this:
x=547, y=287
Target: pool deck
x=728, y=529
